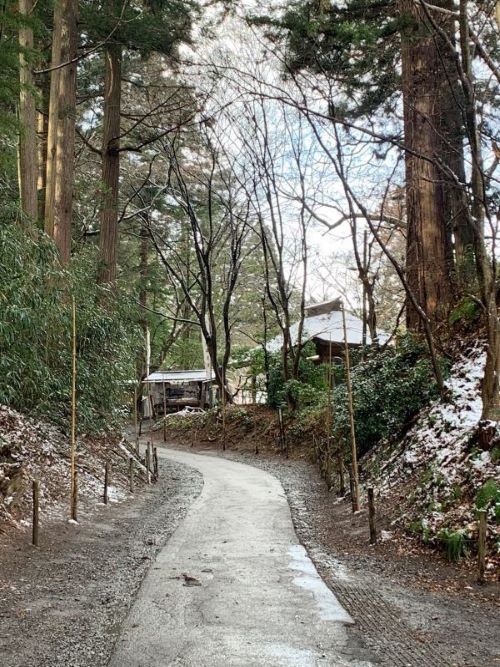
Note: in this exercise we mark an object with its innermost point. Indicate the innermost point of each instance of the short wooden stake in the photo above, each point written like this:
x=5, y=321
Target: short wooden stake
x=481, y=546
x=340, y=465
x=107, y=473
x=131, y=474
x=155, y=463
x=148, y=463
x=164, y=413
x=371, y=516
x=137, y=449
x=351, y=487
x=36, y=511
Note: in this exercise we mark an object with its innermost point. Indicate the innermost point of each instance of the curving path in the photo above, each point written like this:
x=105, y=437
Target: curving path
x=233, y=587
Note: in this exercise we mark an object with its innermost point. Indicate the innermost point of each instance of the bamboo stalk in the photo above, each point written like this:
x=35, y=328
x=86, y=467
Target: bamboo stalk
x=329, y=418
x=354, y=453
x=223, y=400
x=73, y=499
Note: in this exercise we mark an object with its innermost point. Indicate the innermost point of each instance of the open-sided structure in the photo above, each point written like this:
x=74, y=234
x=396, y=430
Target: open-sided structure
x=169, y=391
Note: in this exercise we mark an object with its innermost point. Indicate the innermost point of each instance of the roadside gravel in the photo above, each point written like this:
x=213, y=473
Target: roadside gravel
x=62, y=604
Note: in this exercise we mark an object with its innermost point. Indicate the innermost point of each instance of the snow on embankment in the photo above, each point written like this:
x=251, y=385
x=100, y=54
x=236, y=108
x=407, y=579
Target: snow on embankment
x=442, y=471
x=32, y=449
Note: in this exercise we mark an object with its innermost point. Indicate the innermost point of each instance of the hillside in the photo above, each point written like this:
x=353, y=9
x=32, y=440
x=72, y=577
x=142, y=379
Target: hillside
x=33, y=449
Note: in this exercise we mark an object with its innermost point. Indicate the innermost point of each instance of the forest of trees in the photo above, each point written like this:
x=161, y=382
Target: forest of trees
x=170, y=165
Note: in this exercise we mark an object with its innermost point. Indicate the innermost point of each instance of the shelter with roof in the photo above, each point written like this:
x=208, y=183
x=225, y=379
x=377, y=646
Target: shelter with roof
x=170, y=391
x=323, y=326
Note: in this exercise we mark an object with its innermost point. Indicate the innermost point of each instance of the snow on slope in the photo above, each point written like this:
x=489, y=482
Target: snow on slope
x=441, y=454
x=32, y=449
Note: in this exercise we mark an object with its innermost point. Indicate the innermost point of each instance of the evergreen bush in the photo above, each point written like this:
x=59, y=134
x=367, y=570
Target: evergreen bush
x=35, y=334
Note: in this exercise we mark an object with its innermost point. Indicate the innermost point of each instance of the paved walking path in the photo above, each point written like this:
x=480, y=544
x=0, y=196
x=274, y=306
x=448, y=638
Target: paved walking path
x=233, y=587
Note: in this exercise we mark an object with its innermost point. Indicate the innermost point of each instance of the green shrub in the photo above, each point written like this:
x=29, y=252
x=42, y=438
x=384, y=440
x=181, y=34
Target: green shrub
x=454, y=544
x=489, y=496
x=467, y=310
x=389, y=389
x=35, y=334
x=303, y=391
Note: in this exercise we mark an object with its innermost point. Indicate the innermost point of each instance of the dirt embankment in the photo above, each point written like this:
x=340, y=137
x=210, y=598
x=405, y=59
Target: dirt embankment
x=35, y=450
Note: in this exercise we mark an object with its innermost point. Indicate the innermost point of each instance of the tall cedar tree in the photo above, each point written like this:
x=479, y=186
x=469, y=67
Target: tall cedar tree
x=363, y=46
x=160, y=27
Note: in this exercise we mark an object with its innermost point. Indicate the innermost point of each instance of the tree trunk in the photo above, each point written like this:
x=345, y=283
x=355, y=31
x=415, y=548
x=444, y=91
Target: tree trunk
x=53, y=115
x=65, y=140
x=27, y=121
x=486, y=267
x=108, y=239
x=143, y=292
x=42, y=129
x=425, y=87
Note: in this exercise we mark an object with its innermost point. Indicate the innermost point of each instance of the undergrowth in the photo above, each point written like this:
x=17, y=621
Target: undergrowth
x=35, y=334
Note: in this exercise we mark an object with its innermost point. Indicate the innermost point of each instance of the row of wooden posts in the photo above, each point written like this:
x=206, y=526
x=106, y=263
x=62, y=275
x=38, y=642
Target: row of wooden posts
x=482, y=527
x=152, y=474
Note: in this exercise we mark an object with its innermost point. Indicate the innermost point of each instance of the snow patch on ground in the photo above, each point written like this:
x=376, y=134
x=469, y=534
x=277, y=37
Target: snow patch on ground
x=442, y=453
x=31, y=449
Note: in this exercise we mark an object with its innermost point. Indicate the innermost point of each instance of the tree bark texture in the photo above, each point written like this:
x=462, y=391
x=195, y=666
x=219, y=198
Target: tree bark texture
x=42, y=129
x=65, y=137
x=27, y=120
x=428, y=98
x=108, y=239
x=53, y=119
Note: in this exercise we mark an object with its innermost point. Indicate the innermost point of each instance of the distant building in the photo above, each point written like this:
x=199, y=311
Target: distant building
x=170, y=391
x=324, y=327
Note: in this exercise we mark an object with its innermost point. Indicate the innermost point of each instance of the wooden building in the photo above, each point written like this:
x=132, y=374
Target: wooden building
x=170, y=391
x=323, y=326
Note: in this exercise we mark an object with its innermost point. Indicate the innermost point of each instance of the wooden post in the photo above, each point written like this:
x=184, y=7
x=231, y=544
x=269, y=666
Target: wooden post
x=351, y=482
x=74, y=482
x=365, y=269
x=135, y=417
x=155, y=463
x=148, y=463
x=164, y=413
x=36, y=511
x=131, y=474
x=371, y=516
x=107, y=473
x=282, y=432
x=223, y=402
x=340, y=465
x=481, y=545
x=354, y=453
